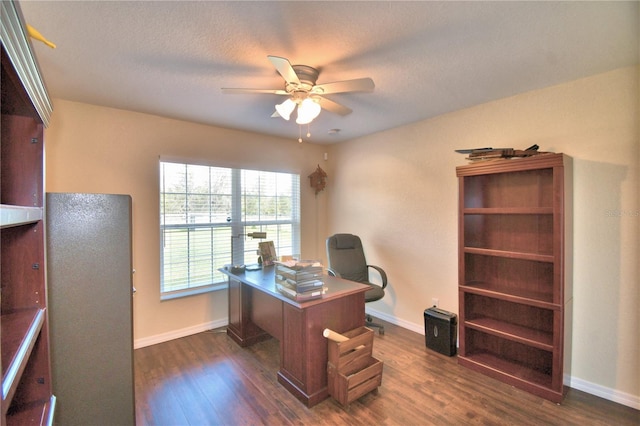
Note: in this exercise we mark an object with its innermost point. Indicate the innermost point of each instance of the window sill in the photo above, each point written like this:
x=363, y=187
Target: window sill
x=178, y=294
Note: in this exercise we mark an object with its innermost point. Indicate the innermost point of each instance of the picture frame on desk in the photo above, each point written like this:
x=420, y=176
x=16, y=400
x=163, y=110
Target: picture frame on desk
x=267, y=252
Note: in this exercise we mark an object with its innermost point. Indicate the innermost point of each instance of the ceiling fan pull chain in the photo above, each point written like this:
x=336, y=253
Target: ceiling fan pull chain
x=308, y=130
x=299, y=133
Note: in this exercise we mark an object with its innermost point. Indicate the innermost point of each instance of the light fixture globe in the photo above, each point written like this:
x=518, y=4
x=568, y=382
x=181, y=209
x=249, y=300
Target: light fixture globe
x=286, y=108
x=307, y=111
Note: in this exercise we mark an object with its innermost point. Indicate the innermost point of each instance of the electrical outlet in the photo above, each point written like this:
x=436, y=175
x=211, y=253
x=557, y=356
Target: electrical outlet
x=434, y=302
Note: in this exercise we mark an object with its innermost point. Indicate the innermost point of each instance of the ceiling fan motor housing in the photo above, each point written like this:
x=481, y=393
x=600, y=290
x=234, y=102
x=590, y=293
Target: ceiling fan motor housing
x=307, y=76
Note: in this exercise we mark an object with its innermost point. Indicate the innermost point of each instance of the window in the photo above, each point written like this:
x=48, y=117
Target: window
x=203, y=207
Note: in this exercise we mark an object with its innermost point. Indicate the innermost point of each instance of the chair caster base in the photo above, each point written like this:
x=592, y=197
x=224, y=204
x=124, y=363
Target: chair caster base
x=369, y=323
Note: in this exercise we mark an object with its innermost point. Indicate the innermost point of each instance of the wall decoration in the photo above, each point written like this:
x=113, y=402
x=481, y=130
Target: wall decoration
x=318, y=179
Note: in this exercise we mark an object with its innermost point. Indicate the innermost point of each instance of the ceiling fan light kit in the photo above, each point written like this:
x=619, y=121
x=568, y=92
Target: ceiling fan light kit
x=302, y=91
x=308, y=109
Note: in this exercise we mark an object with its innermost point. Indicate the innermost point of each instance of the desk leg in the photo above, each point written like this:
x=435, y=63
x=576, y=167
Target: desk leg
x=303, y=349
x=240, y=328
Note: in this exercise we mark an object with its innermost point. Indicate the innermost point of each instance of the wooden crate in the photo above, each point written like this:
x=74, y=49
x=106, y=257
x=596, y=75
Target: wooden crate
x=352, y=370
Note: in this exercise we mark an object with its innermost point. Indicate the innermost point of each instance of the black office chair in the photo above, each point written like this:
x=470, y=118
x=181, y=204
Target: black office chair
x=346, y=260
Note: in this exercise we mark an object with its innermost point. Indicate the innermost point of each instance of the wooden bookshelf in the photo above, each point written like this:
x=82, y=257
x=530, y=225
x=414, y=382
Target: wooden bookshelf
x=26, y=370
x=512, y=261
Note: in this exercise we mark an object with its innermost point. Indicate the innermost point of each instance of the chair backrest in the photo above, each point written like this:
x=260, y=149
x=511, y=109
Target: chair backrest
x=346, y=257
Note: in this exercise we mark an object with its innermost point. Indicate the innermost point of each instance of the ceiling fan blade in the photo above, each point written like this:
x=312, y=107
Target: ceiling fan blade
x=245, y=91
x=357, y=85
x=285, y=69
x=332, y=106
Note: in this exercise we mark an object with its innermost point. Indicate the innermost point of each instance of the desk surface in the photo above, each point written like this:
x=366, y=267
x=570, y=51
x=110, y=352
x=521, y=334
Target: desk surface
x=264, y=280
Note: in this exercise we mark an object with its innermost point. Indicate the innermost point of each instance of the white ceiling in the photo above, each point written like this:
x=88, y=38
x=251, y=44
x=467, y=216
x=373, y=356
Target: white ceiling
x=171, y=58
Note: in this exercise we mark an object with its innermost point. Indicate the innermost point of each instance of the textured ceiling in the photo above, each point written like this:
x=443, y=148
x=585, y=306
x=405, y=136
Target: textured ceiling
x=171, y=58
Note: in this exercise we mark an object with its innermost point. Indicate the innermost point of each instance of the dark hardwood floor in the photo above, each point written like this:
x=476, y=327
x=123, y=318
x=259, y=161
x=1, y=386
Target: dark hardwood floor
x=206, y=379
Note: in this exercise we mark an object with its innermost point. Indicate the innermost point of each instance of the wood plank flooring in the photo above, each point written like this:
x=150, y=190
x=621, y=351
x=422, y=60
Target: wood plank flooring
x=207, y=379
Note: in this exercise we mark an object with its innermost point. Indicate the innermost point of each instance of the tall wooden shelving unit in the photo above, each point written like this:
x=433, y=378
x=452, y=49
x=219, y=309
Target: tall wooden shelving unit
x=26, y=371
x=513, y=270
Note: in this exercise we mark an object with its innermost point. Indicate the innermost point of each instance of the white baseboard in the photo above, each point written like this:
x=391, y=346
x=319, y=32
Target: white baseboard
x=188, y=331
x=395, y=321
x=614, y=395
x=176, y=334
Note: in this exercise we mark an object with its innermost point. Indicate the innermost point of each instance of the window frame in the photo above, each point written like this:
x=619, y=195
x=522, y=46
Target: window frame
x=237, y=222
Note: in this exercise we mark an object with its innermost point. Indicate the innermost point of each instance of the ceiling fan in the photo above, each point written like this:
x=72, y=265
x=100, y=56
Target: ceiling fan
x=302, y=91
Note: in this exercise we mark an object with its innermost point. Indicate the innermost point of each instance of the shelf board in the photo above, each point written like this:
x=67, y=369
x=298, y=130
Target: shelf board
x=510, y=368
x=527, y=336
x=513, y=373
x=510, y=254
x=20, y=330
x=509, y=210
x=18, y=215
x=532, y=298
x=39, y=412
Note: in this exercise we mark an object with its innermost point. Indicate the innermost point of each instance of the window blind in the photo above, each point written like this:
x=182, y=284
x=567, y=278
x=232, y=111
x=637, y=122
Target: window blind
x=202, y=207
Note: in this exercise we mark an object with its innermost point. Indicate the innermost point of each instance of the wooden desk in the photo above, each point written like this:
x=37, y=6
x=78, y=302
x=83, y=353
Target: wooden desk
x=257, y=310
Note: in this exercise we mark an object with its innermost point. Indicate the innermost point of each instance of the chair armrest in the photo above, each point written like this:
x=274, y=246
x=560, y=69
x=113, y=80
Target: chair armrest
x=333, y=273
x=383, y=274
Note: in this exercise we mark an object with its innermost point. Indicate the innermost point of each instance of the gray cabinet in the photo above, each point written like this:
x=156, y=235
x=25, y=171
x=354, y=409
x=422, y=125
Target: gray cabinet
x=89, y=267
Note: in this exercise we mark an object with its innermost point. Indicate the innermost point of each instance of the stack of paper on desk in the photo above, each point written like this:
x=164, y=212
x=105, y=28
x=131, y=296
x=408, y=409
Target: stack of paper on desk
x=300, y=280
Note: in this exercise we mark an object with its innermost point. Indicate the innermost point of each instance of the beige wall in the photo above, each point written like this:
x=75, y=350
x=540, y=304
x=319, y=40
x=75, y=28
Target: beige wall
x=398, y=191
x=102, y=150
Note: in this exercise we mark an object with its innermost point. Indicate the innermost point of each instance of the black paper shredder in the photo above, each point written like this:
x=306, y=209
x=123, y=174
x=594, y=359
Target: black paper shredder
x=440, y=330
